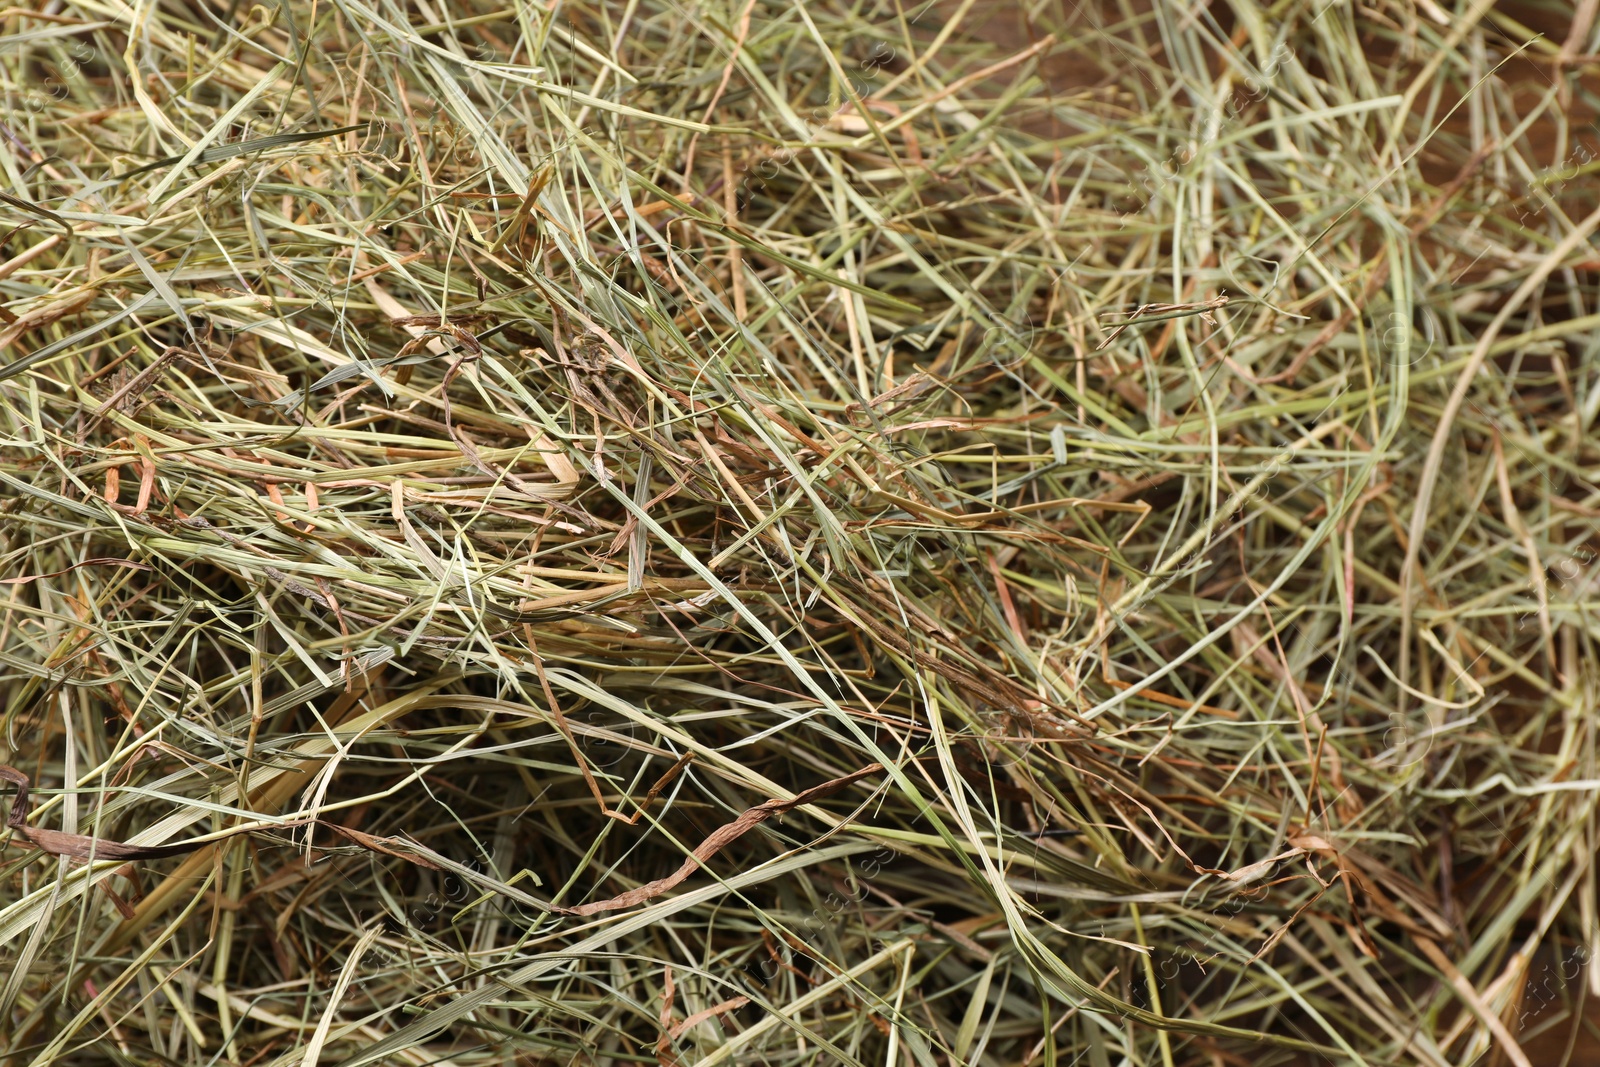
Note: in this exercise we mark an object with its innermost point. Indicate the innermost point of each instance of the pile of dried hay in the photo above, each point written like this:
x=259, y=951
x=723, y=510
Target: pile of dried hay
x=796, y=534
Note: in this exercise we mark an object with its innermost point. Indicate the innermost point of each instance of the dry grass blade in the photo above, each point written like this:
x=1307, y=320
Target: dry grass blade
x=719, y=839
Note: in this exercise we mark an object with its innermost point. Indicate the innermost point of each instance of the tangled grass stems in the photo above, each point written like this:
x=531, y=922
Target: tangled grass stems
x=1069, y=529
